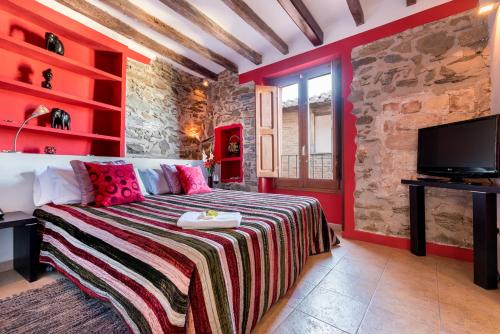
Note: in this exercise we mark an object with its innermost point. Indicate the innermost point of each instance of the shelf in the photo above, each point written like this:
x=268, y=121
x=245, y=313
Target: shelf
x=230, y=159
x=59, y=131
x=54, y=59
x=25, y=88
x=238, y=179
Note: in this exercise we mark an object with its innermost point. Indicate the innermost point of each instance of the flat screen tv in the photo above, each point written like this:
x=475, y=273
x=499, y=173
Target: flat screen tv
x=467, y=149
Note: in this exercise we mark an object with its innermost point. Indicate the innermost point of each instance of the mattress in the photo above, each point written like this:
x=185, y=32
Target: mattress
x=162, y=279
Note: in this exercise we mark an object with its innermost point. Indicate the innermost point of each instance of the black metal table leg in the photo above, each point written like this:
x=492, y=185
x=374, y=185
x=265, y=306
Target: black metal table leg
x=26, y=251
x=417, y=220
x=485, y=239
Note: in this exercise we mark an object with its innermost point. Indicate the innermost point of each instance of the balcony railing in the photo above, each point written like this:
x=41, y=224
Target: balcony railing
x=320, y=166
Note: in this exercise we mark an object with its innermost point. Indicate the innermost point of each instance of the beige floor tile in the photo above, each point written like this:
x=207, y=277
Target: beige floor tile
x=379, y=321
x=472, y=298
x=340, y=311
x=403, y=302
x=410, y=284
x=273, y=318
x=460, y=320
x=313, y=274
x=12, y=283
x=356, y=287
x=404, y=255
x=301, y=323
x=360, y=268
x=298, y=292
x=328, y=260
x=452, y=272
x=378, y=260
x=424, y=267
x=374, y=254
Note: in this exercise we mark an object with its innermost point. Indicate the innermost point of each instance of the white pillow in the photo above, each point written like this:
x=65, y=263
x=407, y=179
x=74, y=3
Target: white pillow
x=141, y=183
x=66, y=188
x=43, y=187
x=155, y=181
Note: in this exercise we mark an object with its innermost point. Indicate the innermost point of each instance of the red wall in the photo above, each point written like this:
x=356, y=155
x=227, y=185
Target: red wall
x=26, y=22
x=332, y=204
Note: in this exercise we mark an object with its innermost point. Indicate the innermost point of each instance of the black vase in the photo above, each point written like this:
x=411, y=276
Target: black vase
x=210, y=181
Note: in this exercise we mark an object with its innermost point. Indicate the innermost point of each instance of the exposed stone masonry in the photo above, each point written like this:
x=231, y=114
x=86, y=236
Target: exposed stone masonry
x=171, y=115
x=167, y=111
x=433, y=74
x=232, y=103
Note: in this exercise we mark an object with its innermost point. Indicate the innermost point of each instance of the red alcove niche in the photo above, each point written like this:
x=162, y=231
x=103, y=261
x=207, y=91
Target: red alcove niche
x=231, y=165
x=88, y=83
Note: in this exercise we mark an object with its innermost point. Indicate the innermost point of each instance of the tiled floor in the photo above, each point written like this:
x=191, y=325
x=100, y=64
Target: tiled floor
x=11, y=283
x=366, y=288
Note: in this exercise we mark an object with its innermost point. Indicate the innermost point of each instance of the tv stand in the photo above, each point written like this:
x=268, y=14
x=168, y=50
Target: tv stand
x=484, y=224
x=451, y=180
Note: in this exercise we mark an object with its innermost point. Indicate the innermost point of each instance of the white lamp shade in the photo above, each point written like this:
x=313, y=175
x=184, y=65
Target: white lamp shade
x=39, y=111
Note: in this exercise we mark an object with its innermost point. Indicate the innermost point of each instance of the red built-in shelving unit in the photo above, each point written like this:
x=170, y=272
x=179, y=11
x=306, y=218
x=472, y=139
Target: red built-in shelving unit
x=231, y=166
x=89, y=83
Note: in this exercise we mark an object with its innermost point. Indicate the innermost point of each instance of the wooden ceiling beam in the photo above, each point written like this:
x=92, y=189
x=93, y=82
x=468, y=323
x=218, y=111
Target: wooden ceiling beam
x=100, y=16
x=303, y=18
x=411, y=2
x=140, y=15
x=195, y=16
x=250, y=17
x=356, y=11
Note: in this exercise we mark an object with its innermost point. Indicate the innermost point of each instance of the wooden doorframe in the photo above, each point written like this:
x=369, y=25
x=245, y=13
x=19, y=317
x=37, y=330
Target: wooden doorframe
x=300, y=78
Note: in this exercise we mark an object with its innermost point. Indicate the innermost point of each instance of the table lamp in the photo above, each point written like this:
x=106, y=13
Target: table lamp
x=39, y=111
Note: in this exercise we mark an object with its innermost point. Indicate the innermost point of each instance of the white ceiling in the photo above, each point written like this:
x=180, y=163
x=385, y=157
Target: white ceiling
x=333, y=16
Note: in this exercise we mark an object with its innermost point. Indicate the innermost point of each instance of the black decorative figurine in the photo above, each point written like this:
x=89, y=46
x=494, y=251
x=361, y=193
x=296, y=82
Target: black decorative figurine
x=47, y=74
x=61, y=119
x=53, y=43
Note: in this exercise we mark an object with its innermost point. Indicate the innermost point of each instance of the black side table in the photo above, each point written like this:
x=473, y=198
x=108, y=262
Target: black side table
x=26, y=243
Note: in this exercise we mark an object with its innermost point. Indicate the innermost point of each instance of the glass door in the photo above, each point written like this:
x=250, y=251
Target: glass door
x=309, y=129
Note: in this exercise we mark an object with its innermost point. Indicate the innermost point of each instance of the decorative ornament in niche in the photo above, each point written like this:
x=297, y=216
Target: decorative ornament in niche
x=47, y=75
x=53, y=43
x=50, y=150
x=61, y=119
x=234, y=145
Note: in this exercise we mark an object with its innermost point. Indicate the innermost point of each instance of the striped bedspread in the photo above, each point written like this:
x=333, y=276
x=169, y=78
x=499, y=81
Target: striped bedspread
x=163, y=279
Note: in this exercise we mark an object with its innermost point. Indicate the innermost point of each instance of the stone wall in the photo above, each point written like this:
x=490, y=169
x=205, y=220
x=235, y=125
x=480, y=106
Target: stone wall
x=171, y=115
x=167, y=112
x=433, y=74
x=230, y=103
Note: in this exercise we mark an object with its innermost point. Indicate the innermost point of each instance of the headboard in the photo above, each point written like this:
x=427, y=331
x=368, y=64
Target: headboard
x=16, y=183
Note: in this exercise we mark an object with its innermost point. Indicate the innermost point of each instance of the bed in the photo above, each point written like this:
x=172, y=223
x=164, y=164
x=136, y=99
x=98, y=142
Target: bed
x=162, y=279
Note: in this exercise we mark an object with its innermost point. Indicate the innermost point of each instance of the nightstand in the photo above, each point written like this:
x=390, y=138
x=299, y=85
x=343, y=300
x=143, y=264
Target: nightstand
x=26, y=243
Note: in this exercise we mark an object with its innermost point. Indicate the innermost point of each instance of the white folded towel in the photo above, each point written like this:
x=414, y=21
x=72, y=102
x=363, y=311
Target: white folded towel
x=194, y=220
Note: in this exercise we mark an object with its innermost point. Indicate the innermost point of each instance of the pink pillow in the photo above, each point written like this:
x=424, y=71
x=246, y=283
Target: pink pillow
x=114, y=184
x=192, y=180
x=83, y=179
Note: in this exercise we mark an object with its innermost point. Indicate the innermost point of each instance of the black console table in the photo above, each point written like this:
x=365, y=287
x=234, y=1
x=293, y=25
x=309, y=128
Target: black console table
x=484, y=205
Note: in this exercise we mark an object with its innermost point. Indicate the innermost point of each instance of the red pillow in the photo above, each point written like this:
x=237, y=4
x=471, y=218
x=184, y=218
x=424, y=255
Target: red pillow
x=114, y=184
x=192, y=180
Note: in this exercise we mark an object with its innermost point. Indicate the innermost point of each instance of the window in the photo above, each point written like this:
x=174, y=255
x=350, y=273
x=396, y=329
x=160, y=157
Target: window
x=308, y=129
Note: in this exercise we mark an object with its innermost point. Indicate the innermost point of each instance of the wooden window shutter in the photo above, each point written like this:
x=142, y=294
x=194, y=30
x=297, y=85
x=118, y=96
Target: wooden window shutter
x=267, y=131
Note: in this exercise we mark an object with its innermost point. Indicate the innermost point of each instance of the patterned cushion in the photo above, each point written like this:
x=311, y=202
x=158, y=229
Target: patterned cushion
x=192, y=180
x=82, y=176
x=172, y=178
x=114, y=184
